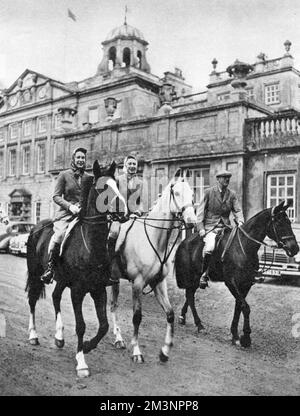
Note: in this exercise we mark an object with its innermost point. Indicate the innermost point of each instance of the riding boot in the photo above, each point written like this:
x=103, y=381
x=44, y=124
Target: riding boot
x=48, y=275
x=111, y=248
x=203, y=283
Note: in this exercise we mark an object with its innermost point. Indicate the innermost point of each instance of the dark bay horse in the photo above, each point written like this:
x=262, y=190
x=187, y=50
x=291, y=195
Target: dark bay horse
x=81, y=266
x=144, y=253
x=233, y=263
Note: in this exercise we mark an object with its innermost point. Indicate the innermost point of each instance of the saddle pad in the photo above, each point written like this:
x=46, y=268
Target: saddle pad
x=68, y=232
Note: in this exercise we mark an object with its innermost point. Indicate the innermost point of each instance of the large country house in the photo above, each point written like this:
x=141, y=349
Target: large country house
x=246, y=121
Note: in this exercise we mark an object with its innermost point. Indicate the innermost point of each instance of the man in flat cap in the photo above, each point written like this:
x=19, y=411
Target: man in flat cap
x=213, y=215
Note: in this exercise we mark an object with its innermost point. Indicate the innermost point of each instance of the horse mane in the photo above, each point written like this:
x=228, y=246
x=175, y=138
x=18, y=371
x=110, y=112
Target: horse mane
x=260, y=213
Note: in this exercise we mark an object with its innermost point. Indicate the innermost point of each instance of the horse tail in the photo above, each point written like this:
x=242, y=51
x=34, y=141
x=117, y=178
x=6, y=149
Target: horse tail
x=34, y=286
x=188, y=262
x=182, y=266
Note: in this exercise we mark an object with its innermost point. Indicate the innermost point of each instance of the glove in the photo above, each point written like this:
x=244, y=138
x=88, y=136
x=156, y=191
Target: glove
x=202, y=233
x=136, y=214
x=74, y=209
x=240, y=223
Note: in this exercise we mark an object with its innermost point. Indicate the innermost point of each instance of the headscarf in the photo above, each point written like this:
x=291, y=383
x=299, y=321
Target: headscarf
x=78, y=171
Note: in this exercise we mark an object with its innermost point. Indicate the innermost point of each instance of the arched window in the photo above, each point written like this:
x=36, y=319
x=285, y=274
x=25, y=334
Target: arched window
x=112, y=58
x=139, y=57
x=126, y=56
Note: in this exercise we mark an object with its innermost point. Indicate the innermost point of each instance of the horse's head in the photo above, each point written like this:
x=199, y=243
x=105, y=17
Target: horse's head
x=280, y=230
x=107, y=196
x=181, y=197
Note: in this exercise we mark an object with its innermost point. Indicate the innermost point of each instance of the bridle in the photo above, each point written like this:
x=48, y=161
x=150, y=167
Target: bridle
x=180, y=209
x=280, y=241
x=176, y=217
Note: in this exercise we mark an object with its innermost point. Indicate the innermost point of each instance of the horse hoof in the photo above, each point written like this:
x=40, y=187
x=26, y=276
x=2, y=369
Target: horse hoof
x=162, y=357
x=34, y=341
x=245, y=341
x=120, y=345
x=59, y=342
x=83, y=373
x=139, y=359
x=235, y=342
x=181, y=320
x=200, y=327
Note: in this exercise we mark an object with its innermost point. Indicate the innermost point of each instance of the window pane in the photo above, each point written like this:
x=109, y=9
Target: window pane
x=273, y=181
x=290, y=180
x=281, y=180
x=273, y=191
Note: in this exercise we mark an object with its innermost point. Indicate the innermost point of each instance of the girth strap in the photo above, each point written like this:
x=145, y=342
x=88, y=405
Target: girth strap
x=228, y=242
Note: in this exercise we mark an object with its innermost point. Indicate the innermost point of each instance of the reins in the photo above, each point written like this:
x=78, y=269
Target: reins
x=166, y=253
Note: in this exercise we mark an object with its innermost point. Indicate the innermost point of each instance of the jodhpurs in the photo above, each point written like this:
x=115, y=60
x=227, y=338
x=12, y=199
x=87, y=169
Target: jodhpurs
x=60, y=227
x=114, y=230
x=210, y=241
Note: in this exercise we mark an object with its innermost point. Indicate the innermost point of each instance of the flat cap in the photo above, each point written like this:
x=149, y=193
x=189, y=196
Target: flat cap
x=223, y=173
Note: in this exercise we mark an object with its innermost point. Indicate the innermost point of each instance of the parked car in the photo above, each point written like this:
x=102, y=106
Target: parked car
x=276, y=263
x=13, y=229
x=18, y=244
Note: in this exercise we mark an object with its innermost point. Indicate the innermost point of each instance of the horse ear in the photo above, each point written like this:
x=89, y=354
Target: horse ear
x=96, y=169
x=178, y=173
x=187, y=173
x=112, y=169
x=278, y=208
x=289, y=203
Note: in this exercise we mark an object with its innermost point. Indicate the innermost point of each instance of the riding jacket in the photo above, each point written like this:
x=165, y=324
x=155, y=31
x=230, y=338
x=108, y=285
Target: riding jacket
x=213, y=210
x=67, y=192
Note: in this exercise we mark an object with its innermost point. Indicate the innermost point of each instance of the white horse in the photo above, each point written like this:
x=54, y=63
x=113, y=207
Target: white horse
x=143, y=248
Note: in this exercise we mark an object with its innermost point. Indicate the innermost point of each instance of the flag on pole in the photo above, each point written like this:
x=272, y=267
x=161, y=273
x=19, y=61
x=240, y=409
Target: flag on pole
x=71, y=15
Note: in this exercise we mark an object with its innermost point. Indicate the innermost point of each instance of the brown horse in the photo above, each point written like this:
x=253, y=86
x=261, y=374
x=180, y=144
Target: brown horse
x=82, y=266
x=234, y=263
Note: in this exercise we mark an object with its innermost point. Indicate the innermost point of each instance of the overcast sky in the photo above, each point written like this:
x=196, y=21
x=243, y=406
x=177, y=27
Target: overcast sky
x=37, y=34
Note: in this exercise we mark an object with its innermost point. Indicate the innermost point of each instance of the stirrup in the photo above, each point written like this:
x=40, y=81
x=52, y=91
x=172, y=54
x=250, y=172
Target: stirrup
x=203, y=283
x=47, y=277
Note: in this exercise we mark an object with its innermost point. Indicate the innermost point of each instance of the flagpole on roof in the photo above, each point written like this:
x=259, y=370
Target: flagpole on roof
x=125, y=20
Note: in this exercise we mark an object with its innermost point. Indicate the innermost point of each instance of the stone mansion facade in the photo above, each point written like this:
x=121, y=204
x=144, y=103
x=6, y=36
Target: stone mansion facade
x=247, y=121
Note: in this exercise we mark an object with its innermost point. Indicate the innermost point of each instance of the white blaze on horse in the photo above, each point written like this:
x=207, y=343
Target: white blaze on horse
x=144, y=248
x=82, y=266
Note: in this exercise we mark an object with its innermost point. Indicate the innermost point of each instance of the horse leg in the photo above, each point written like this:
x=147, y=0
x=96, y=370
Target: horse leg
x=184, y=309
x=235, y=323
x=161, y=293
x=137, y=290
x=119, y=342
x=34, y=293
x=59, y=327
x=100, y=300
x=77, y=297
x=190, y=293
x=240, y=306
